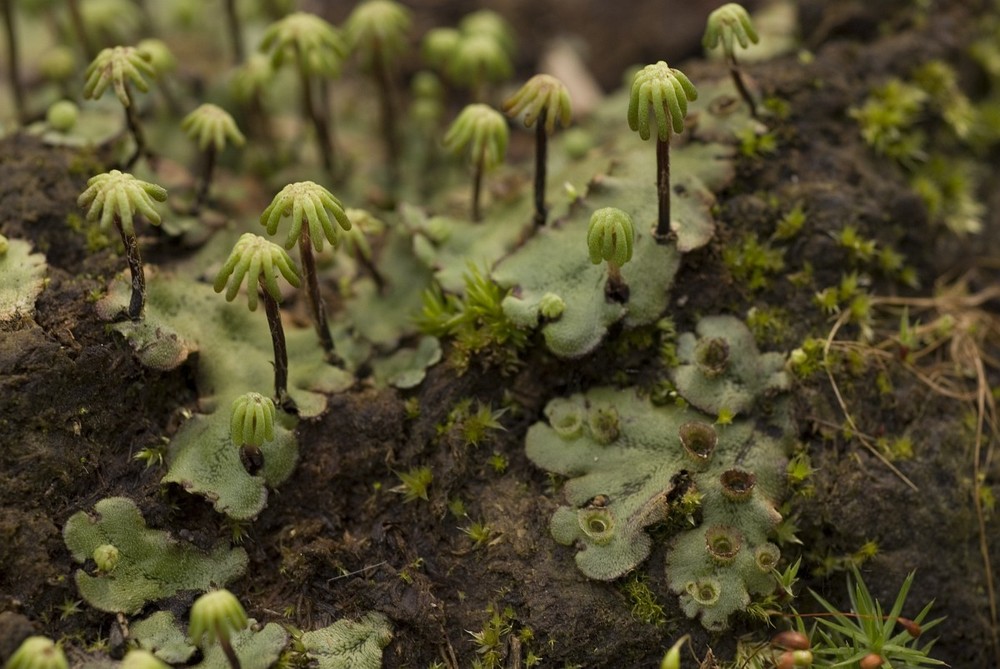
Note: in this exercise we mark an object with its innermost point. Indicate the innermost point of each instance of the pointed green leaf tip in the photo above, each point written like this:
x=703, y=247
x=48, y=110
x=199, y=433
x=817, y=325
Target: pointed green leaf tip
x=212, y=125
x=320, y=46
x=542, y=92
x=667, y=90
x=118, y=66
x=483, y=131
x=253, y=420
x=727, y=23
x=37, y=652
x=120, y=194
x=216, y=615
x=260, y=261
x=378, y=27
x=307, y=201
x=610, y=236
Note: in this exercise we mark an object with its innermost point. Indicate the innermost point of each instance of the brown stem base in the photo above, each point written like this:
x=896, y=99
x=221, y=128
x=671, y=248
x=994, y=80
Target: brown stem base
x=280, y=352
x=206, y=179
x=138, y=299
x=615, y=289
x=541, y=153
x=663, y=231
x=227, y=649
x=316, y=305
x=737, y=74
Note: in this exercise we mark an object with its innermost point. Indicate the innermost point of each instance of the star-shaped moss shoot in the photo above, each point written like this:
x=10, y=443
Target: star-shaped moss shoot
x=211, y=127
x=308, y=202
x=116, y=198
x=318, y=50
x=481, y=131
x=377, y=30
x=122, y=67
x=728, y=25
x=610, y=237
x=37, y=652
x=261, y=261
x=252, y=425
x=542, y=100
x=667, y=90
x=215, y=617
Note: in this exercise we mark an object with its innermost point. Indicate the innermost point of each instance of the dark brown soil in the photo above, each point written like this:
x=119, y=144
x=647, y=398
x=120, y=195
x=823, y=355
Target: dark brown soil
x=336, y=541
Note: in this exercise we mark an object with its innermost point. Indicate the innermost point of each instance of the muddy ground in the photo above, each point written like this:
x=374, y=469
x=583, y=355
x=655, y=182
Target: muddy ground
x=75, y=406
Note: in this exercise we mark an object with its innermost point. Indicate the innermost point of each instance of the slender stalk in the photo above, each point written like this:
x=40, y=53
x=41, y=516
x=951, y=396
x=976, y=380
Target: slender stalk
x=13, y=64
x=616, y=289
x=134, y=260
x=541, y=153
x=388, y=110
x=736, y=73
x=227, y=647
x=477, y=185
x=662, y=233
x=280, y=348
x=315, y=299
x=132, y=120
x=76, y=18
x=235, y=35
x=206, y=178
x=309, y=110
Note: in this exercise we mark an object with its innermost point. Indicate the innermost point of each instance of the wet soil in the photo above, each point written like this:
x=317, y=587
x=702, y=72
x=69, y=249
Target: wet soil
x=336, y=540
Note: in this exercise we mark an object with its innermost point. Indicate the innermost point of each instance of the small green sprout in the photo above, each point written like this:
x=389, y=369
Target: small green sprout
x=252, y=424
x=142, y=659
x=115, y=198
x=482, y=131
x=62, y=115
x=37, y=652
x=215, y=617
x=479, y=532
x=489, y=23
x=106, y=557
x=668, y=91
x=479, y=59
x=260, y=261
x=438, y=45
x=542, y=100
x=377, y=30
x=610, y=237
x=306, y=201
x=211, y=127
x=729, y=24
x=318, y=50
x=119, y=67
x=551, y=306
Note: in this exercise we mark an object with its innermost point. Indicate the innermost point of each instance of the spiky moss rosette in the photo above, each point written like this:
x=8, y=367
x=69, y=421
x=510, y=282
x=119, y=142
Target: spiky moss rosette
x=234, y=354
x=628, y=469
x=152, y=564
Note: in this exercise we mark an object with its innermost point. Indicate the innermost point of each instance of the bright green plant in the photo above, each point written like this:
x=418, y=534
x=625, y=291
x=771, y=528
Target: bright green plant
x=667, y=90
x=312, y=204
x=349, y=643
x=318, y=51
x=37, y=652
x=481, y=131
x=730, y=24
x=142, y=659
x=215, y=617
x=152, y=565
x=867, y=632
x=115, y=198
x=542, y=100
x=122, y=67
x=261, y=261
x=377, y=31
x=211, y=127
x=106, y=557
x=610, y=237
x=252, y=423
